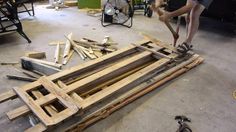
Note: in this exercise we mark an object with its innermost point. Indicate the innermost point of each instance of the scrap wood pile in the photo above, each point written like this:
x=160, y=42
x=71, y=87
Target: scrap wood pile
x=85, y=48
x=73, y=99
x=33, y=67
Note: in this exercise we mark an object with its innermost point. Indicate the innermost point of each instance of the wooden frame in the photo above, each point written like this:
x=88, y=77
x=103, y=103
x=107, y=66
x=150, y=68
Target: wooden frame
x=80, y=88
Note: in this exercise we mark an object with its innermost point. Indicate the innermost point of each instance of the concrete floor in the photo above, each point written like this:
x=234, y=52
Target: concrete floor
x=204, y=94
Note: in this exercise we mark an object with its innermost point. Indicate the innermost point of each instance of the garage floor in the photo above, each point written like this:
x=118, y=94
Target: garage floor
x=204, y=94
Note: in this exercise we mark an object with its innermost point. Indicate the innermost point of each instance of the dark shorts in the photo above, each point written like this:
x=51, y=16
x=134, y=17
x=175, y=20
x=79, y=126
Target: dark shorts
x=205, y=3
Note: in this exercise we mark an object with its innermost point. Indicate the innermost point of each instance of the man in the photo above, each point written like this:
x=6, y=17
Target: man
x=194, y=8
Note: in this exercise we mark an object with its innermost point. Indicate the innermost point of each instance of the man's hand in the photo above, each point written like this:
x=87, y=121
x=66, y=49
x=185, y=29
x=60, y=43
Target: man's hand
x=159, y=3
x=165, y=16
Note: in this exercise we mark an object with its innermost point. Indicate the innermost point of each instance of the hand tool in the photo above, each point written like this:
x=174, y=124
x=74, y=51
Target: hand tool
x=174, y=33
x=183, y=126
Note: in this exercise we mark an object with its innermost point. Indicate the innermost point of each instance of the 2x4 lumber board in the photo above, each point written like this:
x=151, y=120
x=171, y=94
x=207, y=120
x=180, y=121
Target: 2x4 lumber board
x=110, y=71
x=67, y=46
x=135, y=93
x=129, y=96
x=129, y=81
x=7, y=96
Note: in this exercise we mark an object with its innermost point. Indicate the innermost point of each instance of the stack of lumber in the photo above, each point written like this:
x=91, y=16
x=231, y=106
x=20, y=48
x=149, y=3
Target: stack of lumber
x=73, y=99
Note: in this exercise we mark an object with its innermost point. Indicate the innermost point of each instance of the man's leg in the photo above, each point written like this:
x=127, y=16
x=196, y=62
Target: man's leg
x=194, y=22
x=187, y=20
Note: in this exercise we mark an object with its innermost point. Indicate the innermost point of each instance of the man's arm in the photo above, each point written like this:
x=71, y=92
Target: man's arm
x=185, y=9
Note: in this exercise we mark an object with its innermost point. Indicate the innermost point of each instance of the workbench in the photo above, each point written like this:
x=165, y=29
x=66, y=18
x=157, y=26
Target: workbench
x=9, y=21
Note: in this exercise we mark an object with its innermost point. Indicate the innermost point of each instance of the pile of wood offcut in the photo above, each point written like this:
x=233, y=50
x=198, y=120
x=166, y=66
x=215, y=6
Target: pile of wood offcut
x=85, y=48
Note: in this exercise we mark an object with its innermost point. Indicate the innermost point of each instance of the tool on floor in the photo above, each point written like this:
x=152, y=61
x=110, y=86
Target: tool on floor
x=183, y=125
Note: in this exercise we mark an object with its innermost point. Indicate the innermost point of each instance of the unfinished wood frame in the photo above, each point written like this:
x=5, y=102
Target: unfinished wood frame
x=81, y=87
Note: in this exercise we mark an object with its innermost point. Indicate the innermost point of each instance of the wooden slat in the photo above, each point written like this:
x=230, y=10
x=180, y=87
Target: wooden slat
x=14, y=114
x=67, y=46
x=45, y=100
x=135, y=78
x=7, y=95
x=115, y=69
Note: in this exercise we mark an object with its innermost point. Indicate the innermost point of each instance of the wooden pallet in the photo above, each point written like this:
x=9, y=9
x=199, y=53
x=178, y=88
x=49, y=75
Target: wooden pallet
x=79, y=96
